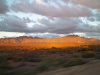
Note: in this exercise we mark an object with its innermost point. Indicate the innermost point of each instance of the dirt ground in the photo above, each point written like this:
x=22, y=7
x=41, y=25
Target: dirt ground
x=91, y=68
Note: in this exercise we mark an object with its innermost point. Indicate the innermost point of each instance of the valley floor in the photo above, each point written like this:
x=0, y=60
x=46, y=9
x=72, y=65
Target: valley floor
x=91, y=68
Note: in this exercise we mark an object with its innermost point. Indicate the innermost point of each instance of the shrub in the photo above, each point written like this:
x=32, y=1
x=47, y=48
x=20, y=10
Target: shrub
x=4, y=62
x=88, y=54
x=50, y=60
x=53, y=47
x=30, y=59
x=97, y=56
x=41, y=67
x=61, y=61
x=76, y=55
x=5, y=66
x=16, y=58
x=74, y=62
x=20, y=65
x=3, y=72
x=3, y=58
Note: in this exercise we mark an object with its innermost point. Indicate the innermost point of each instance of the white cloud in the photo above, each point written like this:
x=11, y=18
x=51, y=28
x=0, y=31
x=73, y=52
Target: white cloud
x=39, y=2
x=10, y=34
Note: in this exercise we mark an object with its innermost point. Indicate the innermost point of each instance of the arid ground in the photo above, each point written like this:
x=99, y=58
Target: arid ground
x=91, y=68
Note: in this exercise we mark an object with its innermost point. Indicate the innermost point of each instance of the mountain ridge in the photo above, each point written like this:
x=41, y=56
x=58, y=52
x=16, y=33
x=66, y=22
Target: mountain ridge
x=61, y=42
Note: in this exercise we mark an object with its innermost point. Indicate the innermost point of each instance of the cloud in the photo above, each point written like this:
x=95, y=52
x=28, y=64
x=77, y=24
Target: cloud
x=93, y=34
x=39, y=2
x=64, y=25
x=47, y=9
x=10, y=34
x=55, y=25
x=50, y=17
x=44, y=35
x=11, y=23
x=3, y=7
x=94, y=4
x=27, y=20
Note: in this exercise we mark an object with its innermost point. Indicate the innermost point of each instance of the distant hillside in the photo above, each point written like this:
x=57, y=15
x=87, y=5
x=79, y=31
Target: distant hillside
x=71, y=40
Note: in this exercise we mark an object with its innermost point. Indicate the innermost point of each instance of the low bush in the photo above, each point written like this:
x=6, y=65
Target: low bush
x=61, y=61
x=76, y=55
x=21, y=65
x=5, y=67
x=88, y=54
x=4, y=72
x=16, y=58
x=97, y=56
x=74, y=62
x=30, y=59
x=41, y=67
x=50, y=60
x=3, y=58
x=4, y=62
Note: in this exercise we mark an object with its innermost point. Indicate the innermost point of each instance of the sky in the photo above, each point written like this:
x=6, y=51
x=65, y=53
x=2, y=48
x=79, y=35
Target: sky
x=49, y=18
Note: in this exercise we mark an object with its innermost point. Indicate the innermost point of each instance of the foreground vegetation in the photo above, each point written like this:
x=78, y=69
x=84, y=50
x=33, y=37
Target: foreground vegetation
x=31, y=62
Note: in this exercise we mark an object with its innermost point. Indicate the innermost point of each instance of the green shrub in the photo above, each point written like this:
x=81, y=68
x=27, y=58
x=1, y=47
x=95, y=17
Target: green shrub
x=3, y=58
x=4, y=62
x=32, y=59
x=88, y=54
x=16, y=58
x=97, y=56
x=50, y=60
x=76, y=55
x=41, y=67
x=60, y=62
x=4, y=72
x=5, y=66
x=74, y=62
x=21, y=65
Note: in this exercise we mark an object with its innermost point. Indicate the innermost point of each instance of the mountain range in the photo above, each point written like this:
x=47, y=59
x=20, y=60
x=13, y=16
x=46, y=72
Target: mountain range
x=35, y=42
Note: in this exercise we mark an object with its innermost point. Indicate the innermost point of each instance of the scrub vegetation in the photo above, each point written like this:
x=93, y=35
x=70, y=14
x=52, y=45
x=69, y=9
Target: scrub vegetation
x=28, y=62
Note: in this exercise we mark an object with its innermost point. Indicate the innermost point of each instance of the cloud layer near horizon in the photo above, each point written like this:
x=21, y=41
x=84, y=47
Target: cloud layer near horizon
x=50, y=16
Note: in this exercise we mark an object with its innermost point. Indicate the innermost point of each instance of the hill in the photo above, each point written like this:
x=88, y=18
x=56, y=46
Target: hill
x=61, y=42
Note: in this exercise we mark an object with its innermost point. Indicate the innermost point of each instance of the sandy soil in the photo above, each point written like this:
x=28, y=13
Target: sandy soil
x=91, y=68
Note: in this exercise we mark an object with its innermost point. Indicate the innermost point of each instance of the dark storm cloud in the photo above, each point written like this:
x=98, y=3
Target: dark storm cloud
x=48, y=9
x=3, y=7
